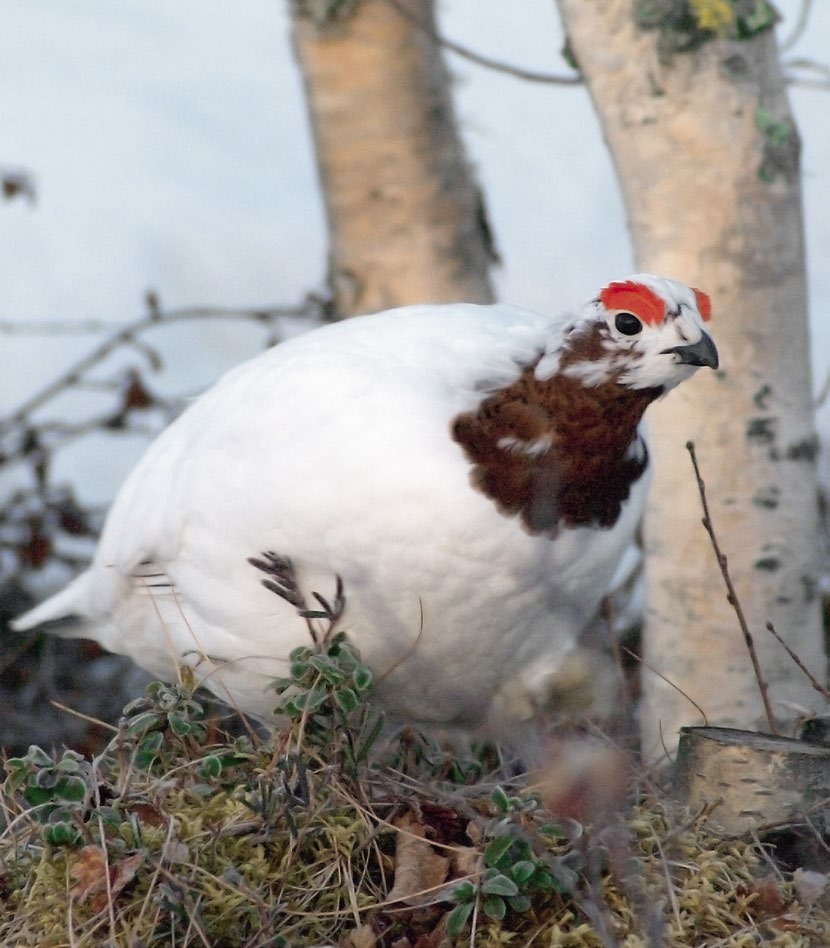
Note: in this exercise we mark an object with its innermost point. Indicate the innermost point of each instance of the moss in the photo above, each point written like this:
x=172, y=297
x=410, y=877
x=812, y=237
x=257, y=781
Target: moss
x=683, y=26
x=290, y=843
x=714, y=16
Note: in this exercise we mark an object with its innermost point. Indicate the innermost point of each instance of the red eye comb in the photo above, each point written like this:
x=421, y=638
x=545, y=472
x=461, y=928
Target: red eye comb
x=635, y=298
x=704, y=304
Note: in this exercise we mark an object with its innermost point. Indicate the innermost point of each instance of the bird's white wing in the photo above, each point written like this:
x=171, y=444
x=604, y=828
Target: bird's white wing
x=362, y=403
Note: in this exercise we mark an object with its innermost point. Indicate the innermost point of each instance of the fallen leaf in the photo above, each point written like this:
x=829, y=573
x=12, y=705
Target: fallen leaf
x=123, y=872
x=466, y=861
x=89, y=873
x=96, y=880
x=417, y=865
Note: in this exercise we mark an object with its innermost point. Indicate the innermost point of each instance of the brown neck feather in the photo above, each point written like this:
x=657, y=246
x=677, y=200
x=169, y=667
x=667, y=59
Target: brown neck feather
x=554, y=452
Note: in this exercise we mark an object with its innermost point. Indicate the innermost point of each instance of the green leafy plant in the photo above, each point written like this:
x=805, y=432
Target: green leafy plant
x=516, y=876
x=57, y=790
x=165, y=712
x=325, y=695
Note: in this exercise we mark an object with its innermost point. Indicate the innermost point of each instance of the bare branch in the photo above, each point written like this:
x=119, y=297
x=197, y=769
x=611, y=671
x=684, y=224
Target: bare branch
x=42, y=522
x=668, y=681
x=732, y=596
x=799, y=27
x=128, y=335
x=529, y=75
x=809, y=675
x=822, y=71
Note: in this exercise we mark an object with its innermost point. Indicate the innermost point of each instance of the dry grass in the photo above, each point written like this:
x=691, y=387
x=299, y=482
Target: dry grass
x=173, y=838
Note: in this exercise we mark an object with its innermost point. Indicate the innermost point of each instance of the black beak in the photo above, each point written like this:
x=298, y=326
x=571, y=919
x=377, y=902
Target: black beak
x=702, y=352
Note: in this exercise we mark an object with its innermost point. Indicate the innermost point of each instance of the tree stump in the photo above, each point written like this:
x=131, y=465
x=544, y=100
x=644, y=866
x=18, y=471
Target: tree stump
x=756, y=780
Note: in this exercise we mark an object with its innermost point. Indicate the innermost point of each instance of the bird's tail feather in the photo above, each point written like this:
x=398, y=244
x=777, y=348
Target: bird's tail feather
x=65, y=610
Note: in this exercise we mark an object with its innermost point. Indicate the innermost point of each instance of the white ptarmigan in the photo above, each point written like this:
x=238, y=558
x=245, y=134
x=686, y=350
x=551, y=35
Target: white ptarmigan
x=472, y=474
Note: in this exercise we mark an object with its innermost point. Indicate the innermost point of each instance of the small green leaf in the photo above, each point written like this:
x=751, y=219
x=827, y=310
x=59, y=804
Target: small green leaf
x=498, y=884
x=554, y=830
x=152, y=742
x=72, y=789
x=347, y=700
x=69, y=763
x=37, y=796
x=135, y=705
x=457, y=919
x=496, y=850
x=142, y=723
x=179, y=725
x=45, y=779
x=313, y=699
x=500, y=800
x=362, y=678
x=38, y=757
x=211, y=767
x=327, y=668
x=61, y=834
x=463, y=892
x=521, y=872
x=520, y=902
x=494, y=907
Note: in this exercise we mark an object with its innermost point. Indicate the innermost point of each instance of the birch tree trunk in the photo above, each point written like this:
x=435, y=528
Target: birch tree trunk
x=708, y=160
x=405, y=217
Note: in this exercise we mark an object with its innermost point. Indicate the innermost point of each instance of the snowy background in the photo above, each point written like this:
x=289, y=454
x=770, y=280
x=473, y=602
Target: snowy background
x=169, y=150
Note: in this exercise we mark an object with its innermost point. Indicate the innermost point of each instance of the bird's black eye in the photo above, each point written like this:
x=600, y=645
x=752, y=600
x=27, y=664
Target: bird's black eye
x=627, y=324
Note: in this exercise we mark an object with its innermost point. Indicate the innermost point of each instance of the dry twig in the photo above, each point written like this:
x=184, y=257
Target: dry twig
x=731, y=594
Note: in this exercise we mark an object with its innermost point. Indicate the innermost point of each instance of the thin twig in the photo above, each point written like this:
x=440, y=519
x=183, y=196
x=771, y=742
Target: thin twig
x=799, y=28
x=732, y=596
x=809, y=66
x=529, y=75
x=128, y=335
x=811, y=678
x=668, y=681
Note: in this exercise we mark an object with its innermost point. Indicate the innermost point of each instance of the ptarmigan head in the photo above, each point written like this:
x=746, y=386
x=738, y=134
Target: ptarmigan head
x=645, y=332
x=561, y=446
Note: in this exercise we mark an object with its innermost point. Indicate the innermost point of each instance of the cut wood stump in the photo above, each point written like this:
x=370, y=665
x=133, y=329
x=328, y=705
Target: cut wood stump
x=752, y=780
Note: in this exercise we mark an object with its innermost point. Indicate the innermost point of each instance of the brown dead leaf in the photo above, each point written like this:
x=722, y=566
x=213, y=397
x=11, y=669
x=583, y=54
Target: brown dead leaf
x=123, y=872
x=89, y=873
x=96, y=880
x=443, y=824
x=417, y=865
x=466, y=861
x=148, y=813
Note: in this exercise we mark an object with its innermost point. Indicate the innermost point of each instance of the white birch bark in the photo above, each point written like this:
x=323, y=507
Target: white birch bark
x=713, y=197
x=405, y=217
